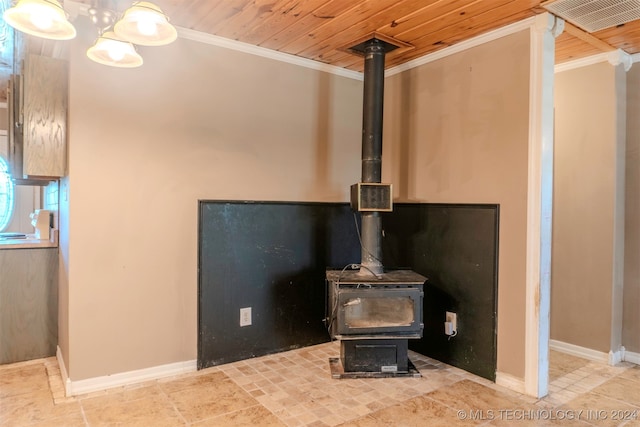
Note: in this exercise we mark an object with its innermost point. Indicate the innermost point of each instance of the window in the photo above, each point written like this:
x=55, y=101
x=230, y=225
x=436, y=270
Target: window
x=6, y=194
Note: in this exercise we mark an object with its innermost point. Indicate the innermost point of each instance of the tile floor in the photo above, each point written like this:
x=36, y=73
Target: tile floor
x=295, y=389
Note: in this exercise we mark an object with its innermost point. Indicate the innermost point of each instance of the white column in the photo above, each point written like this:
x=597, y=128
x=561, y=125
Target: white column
x=545, y=29
x=623, y=62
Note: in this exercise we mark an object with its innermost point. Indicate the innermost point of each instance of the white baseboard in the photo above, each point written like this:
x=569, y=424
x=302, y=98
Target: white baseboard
x=74, y=388
x=616, y=357
x=576, y=350
x=517, y=384
x=63, y=372
x=630, y=356
x=511, y=382
x=611, y=358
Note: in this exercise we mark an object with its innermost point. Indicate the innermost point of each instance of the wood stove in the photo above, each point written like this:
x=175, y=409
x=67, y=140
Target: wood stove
x=373, y=311
x=373, y=317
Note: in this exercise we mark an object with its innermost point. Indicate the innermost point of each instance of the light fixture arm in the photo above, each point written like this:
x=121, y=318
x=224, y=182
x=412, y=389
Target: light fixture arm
x=102, y=18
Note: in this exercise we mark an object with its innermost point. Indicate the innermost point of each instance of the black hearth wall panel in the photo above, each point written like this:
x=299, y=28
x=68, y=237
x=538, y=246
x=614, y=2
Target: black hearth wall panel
x=456, y=247
x=272, y=257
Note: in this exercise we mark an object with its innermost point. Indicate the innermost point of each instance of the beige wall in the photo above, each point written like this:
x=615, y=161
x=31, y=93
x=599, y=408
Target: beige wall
x=586, y=281
x=631, y=319
x=456, y=131
x=195, y=122
x=201, y=122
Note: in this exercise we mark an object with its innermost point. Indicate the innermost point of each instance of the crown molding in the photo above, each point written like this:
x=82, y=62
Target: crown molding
x=464, y=45
x=619, y=56
x=614, y=57
x=582, y=62
x=266, y=53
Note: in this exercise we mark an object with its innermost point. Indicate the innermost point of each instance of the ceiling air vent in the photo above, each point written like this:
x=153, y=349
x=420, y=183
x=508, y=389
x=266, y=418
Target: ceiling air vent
x=595, y=15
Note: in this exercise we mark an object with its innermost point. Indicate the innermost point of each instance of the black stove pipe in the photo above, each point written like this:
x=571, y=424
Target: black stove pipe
x=373, y=100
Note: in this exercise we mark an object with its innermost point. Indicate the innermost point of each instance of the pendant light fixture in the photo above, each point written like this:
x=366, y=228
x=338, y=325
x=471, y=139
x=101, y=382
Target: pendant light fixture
x=40, y=18
x=143, y=23
x=109, y=50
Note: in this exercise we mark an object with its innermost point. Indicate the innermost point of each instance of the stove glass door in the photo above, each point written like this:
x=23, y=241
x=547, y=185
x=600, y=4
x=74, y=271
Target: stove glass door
x=378, y=312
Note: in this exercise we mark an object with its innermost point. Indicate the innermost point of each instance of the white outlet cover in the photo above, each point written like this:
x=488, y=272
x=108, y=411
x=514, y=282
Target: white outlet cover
x=245, y=316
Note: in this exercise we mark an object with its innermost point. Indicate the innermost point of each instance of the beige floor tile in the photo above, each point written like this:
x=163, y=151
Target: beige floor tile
x=367, y=421
x=561, y=364
x=181, y=383
x=154, y=411
x=296, y=389
x=538, y=419
x=25, y=409
x=601, y=410
x=622, y=389
x=417, y=412
x=250, y=417
x=468, y=396
x=120, y=395
x=23, y=379
x=71, y=420
x=208, y=400
x=632, y=373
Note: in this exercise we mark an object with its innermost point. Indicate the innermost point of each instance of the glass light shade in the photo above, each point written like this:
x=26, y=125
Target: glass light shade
x=145, y=24
x=40, y=18
x=109, y=50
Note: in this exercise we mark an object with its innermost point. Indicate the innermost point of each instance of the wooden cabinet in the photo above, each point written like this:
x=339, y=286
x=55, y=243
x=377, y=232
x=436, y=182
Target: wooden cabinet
x=38, y=114
x=28, y=304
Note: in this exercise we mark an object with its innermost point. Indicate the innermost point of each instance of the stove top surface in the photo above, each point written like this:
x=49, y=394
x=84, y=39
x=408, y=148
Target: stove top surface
x=363, y=276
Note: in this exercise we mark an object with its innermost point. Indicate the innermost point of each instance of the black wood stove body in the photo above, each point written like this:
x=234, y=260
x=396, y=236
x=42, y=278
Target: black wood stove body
x=374, y=317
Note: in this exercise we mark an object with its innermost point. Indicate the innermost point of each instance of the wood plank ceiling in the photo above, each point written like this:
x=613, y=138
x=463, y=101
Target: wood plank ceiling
x=321, y=29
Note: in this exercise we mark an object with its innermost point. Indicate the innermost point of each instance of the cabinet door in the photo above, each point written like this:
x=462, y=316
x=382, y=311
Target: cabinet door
x=45, y=117
x=28, y=304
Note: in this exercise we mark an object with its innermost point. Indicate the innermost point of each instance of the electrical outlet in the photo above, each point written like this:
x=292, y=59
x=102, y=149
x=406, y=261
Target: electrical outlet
x=451, y=323
x=245, y=316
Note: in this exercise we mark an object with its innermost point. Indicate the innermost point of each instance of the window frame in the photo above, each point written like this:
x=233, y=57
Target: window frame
x=7, y=207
